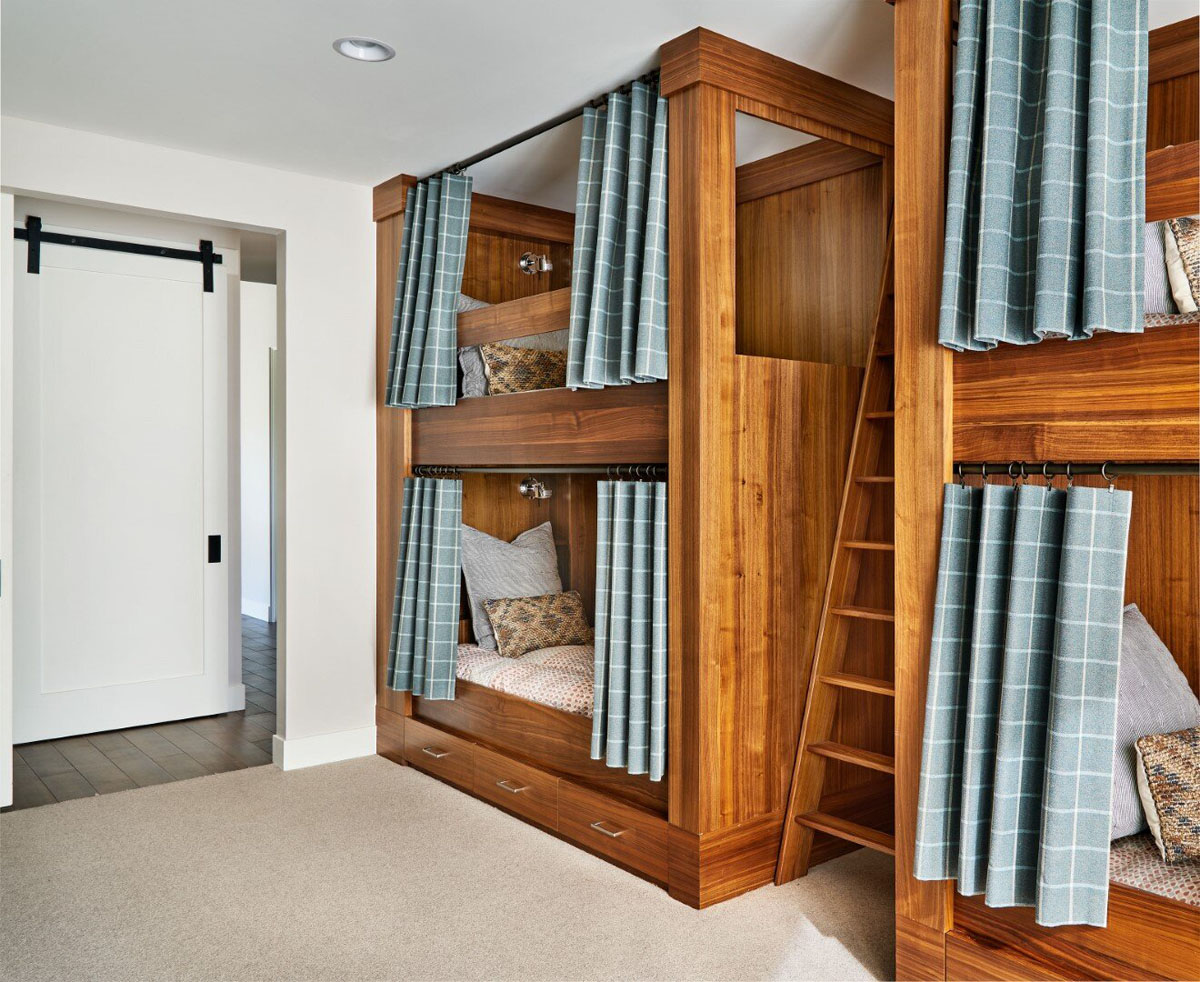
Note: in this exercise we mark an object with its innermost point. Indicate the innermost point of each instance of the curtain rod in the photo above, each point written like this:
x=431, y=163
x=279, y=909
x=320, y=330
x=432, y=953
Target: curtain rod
x=1049, y=468
x=538, y=130
x=612, y=470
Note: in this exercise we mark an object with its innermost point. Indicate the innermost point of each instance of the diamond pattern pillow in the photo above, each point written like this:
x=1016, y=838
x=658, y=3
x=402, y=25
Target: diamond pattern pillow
x=512, y=369
x=1168, y=778
x=524, y=624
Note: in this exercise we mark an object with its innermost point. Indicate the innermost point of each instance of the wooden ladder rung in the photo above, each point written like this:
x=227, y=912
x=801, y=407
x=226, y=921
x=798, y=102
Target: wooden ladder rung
x=875, y=479
x=882, y=415
x=854, y=755
x=869, y=545
x=864, y=613
x=850, y=831
x=861, y=683
x=883, y=352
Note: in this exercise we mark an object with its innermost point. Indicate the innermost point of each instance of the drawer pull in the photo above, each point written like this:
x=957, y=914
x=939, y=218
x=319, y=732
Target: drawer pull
x=599, y=827
x=435, y=753
x=509, y=786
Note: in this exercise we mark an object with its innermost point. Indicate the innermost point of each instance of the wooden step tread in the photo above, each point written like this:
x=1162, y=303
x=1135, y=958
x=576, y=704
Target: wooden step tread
x=851, y=831
x=880, y=415
x=854, y=755
x=862, y=683
x=875, y=479
x=868, y=544
x=865, y=613
x=883, y=352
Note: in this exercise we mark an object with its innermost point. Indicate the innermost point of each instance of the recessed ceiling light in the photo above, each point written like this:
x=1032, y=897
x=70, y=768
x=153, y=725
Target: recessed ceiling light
x=364, y=49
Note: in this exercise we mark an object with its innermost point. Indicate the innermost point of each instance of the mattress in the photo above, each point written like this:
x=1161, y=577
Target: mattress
x=1134, y=861
x=561, y=677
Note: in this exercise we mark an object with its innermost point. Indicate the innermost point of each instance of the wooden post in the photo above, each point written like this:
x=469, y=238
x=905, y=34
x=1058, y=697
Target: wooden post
x=923, y=442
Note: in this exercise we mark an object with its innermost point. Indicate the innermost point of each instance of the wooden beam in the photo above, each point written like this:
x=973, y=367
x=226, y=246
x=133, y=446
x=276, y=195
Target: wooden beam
x=801, y=165
x=1174, y=49
x=1173, y=181
x=827, y=105
x=388, y=197
x=923, y=450
x=536, y=314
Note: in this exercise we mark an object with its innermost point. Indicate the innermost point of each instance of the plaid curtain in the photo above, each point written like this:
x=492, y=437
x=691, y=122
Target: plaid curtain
x=1045, y=204
x=1020, y=714
x=619, y=273
x=423, y=356
x=629, y=719
x=423, y=649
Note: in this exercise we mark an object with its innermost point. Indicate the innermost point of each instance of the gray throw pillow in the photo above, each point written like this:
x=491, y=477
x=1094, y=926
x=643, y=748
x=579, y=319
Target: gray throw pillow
x=1152, y=697
x=525, y=567
x=474, y=372
x=1157, y=299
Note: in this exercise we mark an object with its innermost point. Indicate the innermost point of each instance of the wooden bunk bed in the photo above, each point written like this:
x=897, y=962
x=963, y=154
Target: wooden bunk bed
x=754, y=425
x=1134, y=397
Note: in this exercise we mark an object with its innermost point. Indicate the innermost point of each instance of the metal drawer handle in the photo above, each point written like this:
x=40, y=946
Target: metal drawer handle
x=599, y=827
x=433, y=752
x=509, y=786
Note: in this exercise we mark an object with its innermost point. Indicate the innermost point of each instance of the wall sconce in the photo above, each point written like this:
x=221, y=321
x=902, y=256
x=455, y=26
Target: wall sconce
x=533, y=488
x=532, y=264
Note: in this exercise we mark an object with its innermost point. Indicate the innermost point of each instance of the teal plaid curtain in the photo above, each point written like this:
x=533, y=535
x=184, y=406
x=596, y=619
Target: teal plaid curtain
x=1020, y=714
x=619, y=274
x=423, y=650
x=423, y=356
x=1045, y=204
x=629, y=721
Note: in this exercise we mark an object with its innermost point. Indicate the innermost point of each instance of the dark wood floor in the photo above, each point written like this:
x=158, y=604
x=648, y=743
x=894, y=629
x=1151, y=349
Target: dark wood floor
x=101, y=763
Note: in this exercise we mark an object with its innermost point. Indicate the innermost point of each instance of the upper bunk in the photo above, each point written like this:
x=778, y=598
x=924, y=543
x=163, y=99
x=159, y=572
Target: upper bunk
x=1135, y=396
x=559, y=426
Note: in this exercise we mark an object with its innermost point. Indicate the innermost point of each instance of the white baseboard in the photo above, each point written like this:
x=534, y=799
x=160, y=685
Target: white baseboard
x=256, y=608
x=290, y=755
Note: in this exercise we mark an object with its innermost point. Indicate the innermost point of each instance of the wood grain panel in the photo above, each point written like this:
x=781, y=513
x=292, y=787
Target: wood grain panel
x=521, y=220
x=808, y=267
x=1135, y=396
x=707, y=869
x=793, y=426
x=538, y=313
x=526, y=791
x=622, y=424
x=491, y=272
x=1172, y=181
x=703, y=56
x=1172, y=112
x=440, y=753
x=633, y=838
x=391, y=456
x=799, y=166
x=1174, y=50
x=387, y=199
x=701, y=317
x=922, y=433
x=969, y=959
x=529, y=732
x=1147, y=937
x=389, y=734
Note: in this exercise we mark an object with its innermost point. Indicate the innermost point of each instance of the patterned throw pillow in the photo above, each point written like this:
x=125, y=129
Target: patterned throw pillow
x=1169, y=782
x=512, y=369
x=524, y=624
x=1181, y=246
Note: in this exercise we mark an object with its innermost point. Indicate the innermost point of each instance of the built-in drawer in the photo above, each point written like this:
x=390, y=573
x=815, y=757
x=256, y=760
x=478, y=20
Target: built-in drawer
x=524, y=790
x=628, y=835
x=439, y=753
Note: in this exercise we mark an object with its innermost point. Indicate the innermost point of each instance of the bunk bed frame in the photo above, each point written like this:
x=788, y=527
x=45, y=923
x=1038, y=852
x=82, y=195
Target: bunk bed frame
x=754, y=424
x=1126, y=397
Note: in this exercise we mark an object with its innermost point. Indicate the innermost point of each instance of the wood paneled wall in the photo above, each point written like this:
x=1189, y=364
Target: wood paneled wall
x=1173, y=110
x=809, y=259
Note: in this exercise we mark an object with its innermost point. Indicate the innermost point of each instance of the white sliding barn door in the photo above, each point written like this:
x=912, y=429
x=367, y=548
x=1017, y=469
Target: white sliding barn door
x=120, y=477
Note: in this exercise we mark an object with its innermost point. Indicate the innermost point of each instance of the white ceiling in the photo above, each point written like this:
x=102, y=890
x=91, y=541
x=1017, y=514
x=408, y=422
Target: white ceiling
x=257, y=80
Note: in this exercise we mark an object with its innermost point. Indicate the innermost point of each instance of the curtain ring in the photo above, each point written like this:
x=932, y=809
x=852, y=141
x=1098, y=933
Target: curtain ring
x=1012, y=468
x=983, y=471
x=962, y=476
x=1046, y=472
x=1108, y=477
x=1070, y=476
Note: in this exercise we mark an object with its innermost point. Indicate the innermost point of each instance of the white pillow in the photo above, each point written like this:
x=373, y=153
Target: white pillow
x=493, y=568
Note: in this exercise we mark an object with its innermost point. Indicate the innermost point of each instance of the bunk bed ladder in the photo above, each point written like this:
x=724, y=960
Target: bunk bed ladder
x=868, y=481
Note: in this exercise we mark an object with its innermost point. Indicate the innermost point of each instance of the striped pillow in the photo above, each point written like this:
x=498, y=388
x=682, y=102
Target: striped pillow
x=1158, y=299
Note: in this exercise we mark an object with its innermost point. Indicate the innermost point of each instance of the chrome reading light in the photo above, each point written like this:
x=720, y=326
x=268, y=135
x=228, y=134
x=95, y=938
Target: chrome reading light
x=532, y=487
x=532, y=264
x=364, y=49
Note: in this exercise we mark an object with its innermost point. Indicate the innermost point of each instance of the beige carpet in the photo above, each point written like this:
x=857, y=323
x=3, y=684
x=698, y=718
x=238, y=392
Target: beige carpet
x=366, y=870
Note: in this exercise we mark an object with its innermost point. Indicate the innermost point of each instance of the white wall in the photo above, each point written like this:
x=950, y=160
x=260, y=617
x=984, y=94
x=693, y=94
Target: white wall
x=258, y=338
x=326, y=556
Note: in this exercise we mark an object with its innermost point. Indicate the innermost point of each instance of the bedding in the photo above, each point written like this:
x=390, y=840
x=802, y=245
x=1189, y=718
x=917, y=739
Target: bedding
x=523, y=624
x=1153, y=696
x=1181, y=245
x=561, y=677
x=1158, y=298
x=475, y=381
x=511, y=369
x=525, y=567
x=1134, y=862
x=1168, y=777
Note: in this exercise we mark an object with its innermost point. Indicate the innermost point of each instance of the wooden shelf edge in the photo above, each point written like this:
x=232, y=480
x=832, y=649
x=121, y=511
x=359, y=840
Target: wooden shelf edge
x=538, y=314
